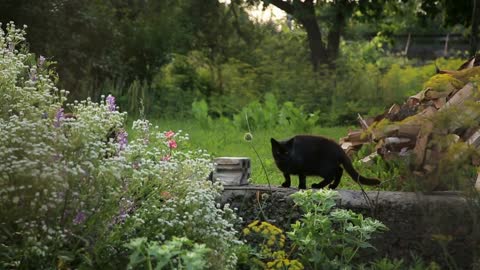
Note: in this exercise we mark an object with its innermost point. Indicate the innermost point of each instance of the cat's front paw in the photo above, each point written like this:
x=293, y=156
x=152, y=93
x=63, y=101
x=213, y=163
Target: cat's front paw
x=285, y=184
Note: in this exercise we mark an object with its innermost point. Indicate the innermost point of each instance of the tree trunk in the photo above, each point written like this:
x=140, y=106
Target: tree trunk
x=318, y=50
x=304, y=12
x=335, y=34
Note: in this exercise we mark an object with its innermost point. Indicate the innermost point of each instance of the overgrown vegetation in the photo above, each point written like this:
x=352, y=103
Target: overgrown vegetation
x=83, y=186
x=78, y=192
x=171, y=53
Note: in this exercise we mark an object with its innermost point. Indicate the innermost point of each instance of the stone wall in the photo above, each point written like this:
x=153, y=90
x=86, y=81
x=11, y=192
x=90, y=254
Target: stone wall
x=413, y=219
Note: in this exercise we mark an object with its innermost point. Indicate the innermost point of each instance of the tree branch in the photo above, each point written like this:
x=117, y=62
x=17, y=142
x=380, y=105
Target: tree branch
x=283, y=5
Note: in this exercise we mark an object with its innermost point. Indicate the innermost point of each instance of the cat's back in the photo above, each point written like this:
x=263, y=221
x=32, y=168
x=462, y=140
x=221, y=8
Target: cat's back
x=311, y=144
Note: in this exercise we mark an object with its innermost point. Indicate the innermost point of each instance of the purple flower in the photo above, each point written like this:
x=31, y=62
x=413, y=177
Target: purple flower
x=41, y=60
x=122, y=139
x=126, y=207
x=59, y=116
x=79, y=218
x=122, y=216
x=111, y=103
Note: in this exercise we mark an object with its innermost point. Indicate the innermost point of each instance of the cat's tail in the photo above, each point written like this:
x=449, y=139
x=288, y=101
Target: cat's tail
x=347, y=165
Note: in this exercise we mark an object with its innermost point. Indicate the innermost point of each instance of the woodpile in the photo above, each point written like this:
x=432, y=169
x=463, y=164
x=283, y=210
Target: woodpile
x=427, y=125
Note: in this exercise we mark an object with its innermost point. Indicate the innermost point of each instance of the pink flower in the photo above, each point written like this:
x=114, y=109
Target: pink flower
x=169, y=134
x=172, y=144
x=166, y=158
x=166, y=195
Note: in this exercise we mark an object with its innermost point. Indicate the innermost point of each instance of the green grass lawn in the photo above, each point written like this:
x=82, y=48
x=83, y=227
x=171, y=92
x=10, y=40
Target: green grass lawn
x=221, y=139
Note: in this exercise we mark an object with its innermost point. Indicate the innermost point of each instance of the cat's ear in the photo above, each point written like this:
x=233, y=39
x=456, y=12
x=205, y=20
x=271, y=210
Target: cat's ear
x=289, y=143
x=273, y=142
x=276, y=145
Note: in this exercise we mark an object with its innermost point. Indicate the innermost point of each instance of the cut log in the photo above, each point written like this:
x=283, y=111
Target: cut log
x=396, y=140
x=439, y=103
x=356, y=137
x=432, y=156
x=409, y=127
x=409, y=130
x=362, y=121
x=396, y=144
x=460, y=96
x=474, y=139
x=421, y=145
x=346, y=146
x=350, y=148
x=431, y=94
x=458, y=106
x=393, y=110
x=370, y=158
x=406, y=110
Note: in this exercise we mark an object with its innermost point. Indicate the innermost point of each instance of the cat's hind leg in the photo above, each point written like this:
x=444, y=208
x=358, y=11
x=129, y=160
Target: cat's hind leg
x=324, y=183
x=287, y=182
x=338, y=177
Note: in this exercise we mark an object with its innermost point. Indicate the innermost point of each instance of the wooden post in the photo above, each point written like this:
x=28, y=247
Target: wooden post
x=232, y=170
x=407, y=46
x=445, y=48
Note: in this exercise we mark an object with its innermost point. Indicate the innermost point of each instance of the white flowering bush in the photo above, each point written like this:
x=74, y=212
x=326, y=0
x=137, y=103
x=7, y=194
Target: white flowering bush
x=75, y=190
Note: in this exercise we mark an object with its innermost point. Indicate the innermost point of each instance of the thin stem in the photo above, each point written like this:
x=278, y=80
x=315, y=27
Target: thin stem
x=258, y=156
x=263, y=167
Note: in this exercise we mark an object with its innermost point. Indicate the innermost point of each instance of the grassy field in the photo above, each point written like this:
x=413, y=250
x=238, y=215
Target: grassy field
x=222, y=139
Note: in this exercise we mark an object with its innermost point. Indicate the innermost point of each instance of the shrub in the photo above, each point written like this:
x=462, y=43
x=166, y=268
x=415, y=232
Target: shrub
x=200, y=113
x=74, y=189
x=329, y=238
x=178, y=253
x=270, y=114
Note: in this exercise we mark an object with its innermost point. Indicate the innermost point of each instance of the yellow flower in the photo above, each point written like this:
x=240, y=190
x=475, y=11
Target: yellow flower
x=296, y=265
x=254, y=223
x=270, y=264
x=279, y=254
x=246, y=231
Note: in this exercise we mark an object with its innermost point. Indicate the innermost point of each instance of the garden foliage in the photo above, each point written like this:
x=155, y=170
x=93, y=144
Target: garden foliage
x=77, y=192
x=270, y=250
x=323, y=238
x=330, y=238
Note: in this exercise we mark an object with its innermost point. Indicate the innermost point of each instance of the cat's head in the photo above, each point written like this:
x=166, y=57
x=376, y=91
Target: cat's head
x=281, y=149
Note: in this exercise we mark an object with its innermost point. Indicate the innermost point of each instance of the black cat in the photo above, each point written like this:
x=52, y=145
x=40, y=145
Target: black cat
x=305, y=155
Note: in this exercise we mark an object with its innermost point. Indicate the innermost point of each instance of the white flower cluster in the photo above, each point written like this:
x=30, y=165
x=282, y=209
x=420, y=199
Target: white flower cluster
x=26, y=90
x=71, y=180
